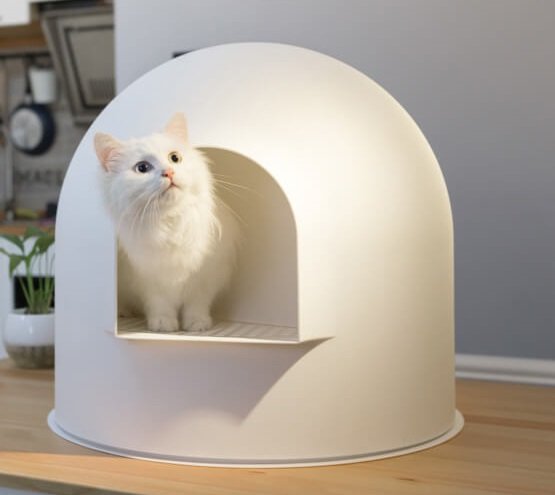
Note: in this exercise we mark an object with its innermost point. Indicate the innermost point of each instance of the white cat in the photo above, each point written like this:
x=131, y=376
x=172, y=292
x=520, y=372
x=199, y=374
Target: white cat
x=177, y=240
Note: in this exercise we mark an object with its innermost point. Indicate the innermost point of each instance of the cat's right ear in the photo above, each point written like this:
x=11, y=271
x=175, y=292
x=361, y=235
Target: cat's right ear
x=106, y=147
x=177, y=127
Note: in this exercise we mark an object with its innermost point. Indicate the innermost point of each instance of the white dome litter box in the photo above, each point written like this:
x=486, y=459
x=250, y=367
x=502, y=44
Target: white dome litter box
x=335, y=340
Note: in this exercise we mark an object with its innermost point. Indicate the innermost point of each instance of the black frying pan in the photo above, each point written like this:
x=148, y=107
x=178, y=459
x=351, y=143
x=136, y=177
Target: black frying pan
x=31, y=126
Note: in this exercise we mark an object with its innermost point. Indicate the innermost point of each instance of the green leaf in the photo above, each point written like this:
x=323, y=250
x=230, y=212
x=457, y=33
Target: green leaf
x=43, y=243
x=37, y=296
x=15, y=261
x=14, y=239
x=33, y=231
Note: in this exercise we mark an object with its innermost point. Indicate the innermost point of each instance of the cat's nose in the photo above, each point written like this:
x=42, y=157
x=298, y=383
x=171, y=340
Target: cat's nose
x=169, y=173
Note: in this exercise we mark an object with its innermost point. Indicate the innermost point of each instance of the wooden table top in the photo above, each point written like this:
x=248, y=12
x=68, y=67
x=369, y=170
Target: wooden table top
x=507, y=446
x=18, y=227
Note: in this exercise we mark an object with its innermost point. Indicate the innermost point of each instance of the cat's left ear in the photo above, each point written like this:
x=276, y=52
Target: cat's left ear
x=177, y=127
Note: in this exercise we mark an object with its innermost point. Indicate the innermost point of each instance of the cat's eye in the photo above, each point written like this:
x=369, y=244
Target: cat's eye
x=174, y=157
x=143, y=167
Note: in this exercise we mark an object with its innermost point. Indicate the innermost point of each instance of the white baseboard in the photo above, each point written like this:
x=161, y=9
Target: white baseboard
x=506, y=369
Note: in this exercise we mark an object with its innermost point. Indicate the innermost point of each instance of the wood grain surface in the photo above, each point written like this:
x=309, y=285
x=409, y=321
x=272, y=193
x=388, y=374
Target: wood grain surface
x=506, y=447
x=20, y=226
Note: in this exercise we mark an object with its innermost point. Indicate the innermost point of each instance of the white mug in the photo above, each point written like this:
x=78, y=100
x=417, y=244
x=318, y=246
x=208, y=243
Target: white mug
x=43, y=84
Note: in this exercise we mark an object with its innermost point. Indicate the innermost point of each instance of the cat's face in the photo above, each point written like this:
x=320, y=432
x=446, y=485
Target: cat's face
x=159, y=171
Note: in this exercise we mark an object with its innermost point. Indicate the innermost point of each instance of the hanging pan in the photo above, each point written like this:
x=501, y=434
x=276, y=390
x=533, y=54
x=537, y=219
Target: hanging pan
x=31, y=126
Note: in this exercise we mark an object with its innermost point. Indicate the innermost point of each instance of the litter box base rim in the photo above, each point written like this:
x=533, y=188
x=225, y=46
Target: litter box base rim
x=458, y=424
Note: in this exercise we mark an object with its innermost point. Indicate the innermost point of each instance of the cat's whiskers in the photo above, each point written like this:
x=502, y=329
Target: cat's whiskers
x=146, y=210
x=232, y=211
x=233, y=184
x=123, y=215
x=151, y=211
x=228, y=186
x=147, y=197
x=135, y=211
x=229, y=190
x=154, y=212
x=223, y=187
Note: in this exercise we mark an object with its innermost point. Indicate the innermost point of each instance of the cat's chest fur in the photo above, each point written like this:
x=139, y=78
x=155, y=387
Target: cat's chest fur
x=177, y=244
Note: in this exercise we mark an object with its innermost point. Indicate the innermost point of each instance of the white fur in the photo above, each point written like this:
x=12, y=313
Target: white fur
x=176, y=244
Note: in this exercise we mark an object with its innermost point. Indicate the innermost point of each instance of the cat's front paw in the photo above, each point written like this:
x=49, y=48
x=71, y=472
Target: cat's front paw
x=198, y=324
x=162, y=324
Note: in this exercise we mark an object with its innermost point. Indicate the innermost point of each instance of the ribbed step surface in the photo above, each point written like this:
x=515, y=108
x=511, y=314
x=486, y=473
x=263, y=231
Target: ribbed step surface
x=135, y=328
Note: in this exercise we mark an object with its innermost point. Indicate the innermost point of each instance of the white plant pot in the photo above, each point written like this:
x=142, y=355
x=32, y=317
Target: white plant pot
x=29, y=339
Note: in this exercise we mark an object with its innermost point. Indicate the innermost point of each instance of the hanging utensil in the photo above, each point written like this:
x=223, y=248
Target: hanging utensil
x=31, y=126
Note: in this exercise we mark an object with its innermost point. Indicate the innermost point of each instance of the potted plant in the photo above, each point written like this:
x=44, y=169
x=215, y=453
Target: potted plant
x=29, y=332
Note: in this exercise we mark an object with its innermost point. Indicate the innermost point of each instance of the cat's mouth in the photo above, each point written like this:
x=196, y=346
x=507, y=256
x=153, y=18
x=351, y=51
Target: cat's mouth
x=171, y=185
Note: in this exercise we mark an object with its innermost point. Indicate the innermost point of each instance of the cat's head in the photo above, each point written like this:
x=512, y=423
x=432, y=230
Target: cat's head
x=159, y=172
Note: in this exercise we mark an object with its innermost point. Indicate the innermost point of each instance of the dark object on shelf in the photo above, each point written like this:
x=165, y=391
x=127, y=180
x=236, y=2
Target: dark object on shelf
x=51, y=209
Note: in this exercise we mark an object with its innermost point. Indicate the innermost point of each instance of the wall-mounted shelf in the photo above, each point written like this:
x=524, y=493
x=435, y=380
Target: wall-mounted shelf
x=25, y=39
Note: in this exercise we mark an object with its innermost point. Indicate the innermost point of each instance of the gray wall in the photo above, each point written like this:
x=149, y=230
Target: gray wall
x=479, y=78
